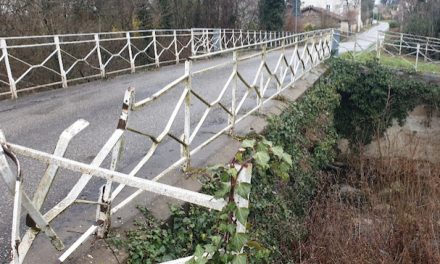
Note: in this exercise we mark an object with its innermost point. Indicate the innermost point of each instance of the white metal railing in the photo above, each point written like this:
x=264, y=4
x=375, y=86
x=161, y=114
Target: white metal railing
x=33, y=62
x=295, y=56
x=409, y=49
x=413, y=49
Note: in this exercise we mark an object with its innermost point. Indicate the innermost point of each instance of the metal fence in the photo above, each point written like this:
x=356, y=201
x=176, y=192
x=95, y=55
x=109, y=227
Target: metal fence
x=414, y=52
x=412, y=49
x=33, y=62
x=296, y=55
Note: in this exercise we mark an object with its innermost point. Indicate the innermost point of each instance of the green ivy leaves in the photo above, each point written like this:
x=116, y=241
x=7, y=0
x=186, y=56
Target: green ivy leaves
x=262, y=159
x=228, y=247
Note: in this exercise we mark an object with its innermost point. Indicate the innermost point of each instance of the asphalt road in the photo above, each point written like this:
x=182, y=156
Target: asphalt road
x=37, y=120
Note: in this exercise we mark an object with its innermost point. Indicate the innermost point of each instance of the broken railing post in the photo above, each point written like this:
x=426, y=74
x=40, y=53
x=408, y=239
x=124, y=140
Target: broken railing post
x=51, y=171
x=103, y=212
x=244, y=176
x=22, y=199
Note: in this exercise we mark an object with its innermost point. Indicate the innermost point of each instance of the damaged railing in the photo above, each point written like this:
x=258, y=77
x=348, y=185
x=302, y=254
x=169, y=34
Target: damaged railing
x=32, y=62
x=296, y=55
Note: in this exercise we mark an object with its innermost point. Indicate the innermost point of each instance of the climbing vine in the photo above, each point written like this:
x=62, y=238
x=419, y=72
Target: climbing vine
x=228, y=245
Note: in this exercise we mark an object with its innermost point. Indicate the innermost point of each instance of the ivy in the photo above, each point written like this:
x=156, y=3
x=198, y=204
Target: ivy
x=373, y=96
x=228, y=245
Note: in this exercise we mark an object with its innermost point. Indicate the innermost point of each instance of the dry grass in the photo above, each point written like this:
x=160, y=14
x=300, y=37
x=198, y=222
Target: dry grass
x=396, y=218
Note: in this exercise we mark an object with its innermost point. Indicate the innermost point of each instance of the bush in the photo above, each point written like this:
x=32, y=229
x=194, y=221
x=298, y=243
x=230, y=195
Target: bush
x=309, y=27
x=394, y=24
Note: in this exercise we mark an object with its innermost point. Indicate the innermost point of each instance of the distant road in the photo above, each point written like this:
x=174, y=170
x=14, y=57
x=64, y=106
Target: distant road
x=364, y=39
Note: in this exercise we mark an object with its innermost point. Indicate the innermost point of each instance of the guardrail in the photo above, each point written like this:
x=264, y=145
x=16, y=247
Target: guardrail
x=296, y=55
x=412, y=50
x=33, y=62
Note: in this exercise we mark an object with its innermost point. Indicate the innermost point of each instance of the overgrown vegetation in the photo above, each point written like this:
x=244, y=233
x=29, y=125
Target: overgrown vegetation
x=395, y=62
x=381, y=209
x=279, y=198
x=372, y=97
x=298, y=211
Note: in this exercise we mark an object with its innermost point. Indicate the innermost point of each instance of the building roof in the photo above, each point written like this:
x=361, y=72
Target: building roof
x=323, y=11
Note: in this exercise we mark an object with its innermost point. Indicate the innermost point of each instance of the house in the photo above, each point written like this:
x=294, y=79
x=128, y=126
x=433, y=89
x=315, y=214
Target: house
x=317, y=18
x=350, y=10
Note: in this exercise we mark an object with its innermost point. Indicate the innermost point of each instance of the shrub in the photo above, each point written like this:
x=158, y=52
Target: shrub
x=394, y=24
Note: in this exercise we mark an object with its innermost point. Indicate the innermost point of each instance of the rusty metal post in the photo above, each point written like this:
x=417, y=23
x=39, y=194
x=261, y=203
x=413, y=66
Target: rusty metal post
x=12, y=85
x=103, y=212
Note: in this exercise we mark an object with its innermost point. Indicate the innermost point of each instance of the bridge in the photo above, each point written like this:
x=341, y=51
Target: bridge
x=168, y=115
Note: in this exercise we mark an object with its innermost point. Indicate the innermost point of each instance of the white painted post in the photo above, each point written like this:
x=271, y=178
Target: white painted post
x=16, y=214
x=207, y=42
x=193, y=50
x=426, y=49
x=187, y=122
x=255, y=39
x=156, y=56
x=355, y=43
x=98, y=51
x=220, y=40
x=231, y=119
x=60, y=61
x=400, y=46
x=378, y=46
x=241, y=38
x=233, y=38
x=417, y=55
x=176, y=49
x=244, y=176
x=224, y=39
x=270, y=38
x=12, y=85
x=130, y=52
x=260, y=98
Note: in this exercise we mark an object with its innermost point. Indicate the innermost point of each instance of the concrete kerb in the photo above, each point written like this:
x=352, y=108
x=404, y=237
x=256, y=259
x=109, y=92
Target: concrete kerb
x=97, y=251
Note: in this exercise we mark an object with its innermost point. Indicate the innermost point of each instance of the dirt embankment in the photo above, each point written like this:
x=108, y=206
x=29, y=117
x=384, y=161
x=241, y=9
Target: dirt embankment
x=417, y=139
